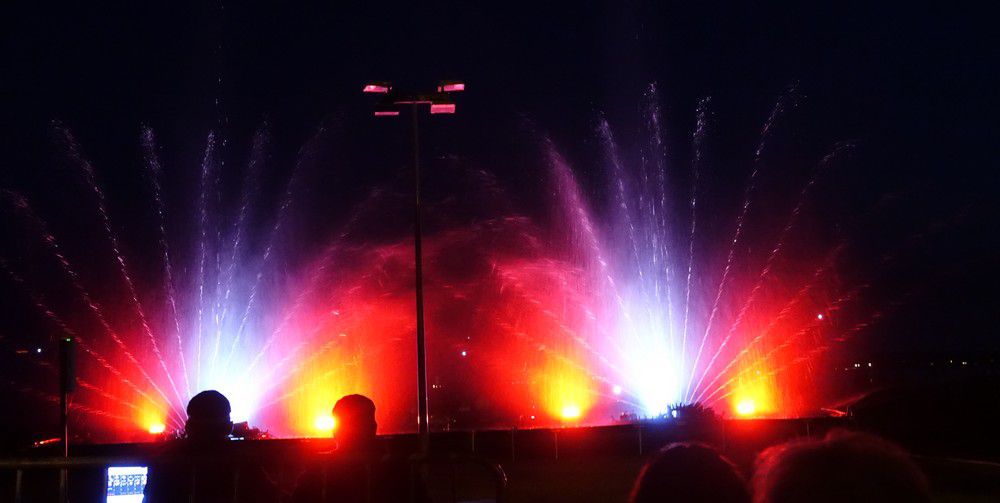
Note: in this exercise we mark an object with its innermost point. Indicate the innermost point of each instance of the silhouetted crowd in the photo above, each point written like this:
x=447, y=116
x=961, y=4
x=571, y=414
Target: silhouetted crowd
x=843, y=467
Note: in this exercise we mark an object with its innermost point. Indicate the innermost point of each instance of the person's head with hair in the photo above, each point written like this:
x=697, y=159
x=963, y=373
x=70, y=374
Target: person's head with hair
x=355, y=420
x=208, y=417
x=844, y=466
x=689, y=472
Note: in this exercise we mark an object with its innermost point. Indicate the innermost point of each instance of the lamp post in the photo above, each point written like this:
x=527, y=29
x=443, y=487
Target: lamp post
x=67, y=383
x=389, y=106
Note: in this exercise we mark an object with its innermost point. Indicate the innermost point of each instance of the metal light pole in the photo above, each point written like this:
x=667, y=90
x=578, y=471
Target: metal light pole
x=423, y=416
x=67, y=383
x=440, y=103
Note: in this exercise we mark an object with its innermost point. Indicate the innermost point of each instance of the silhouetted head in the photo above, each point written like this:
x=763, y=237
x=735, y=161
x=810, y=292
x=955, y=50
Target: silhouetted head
x=356, y=426
x=208, y=417
x=689, y=472
x=844, y=466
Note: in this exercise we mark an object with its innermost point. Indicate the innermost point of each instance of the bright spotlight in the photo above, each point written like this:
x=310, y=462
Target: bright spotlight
x=243, y=396
x=325, y=423
x=570, y=412
x=819, y=316
x=157, y=428
x=616, y=390
x=746, y=407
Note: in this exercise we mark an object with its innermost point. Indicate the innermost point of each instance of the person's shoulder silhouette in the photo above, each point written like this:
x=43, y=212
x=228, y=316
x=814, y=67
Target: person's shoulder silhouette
x=843, y=466
x=689, y=472
x=360, y=469
x=203, y=466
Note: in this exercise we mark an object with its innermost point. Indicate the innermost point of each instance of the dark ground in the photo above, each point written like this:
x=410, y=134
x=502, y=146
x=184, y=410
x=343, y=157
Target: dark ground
x=597, y=464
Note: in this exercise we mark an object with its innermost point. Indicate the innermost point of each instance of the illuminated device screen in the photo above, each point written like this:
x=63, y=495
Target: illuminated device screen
x=125, y=484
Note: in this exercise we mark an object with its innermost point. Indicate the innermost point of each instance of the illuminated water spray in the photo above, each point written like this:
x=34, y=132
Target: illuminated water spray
x=623, y=303
x=666, y=329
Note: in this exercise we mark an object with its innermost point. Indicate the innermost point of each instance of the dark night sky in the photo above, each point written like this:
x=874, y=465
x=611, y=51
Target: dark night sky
x=912, y=83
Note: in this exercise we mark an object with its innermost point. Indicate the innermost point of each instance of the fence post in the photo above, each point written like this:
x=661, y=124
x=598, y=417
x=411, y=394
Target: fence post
x=17, y=486
x=512, y=449
x=63, y=485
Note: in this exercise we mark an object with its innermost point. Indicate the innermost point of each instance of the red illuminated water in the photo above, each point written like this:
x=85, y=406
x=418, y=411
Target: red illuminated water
x=604, y=308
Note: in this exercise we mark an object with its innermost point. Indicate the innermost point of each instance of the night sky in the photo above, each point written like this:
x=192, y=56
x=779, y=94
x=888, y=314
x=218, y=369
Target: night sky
x=911, y=85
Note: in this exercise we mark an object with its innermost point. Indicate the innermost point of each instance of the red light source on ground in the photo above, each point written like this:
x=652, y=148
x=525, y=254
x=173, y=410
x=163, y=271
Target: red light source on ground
x=377, y=87
x=325, y=424
x=746, y=407
x=570, y=412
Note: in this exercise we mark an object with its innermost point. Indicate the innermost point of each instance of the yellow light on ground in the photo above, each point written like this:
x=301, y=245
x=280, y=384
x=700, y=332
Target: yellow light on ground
x=570, y=412
x=157, y=428
x=325, y=424
x=563, y=390
x=746, y=407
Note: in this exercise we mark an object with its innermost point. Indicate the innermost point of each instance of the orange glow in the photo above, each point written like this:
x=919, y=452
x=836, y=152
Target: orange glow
x=343, y=365
x=753, y=398
x=325, y=424
x=150, y=417
x=362, y=344
x=319, y=387
x=570, y=412
x=746, y=407
x=565, y=390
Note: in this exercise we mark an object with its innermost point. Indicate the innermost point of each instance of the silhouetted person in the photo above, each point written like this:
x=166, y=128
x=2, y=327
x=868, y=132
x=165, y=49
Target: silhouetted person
x=689, y=472
x=356, y=427
x=203, y=466
x=844, y=466
x=359, y=470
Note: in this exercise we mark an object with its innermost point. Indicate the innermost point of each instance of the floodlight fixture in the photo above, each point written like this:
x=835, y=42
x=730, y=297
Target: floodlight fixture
x=377, y=87
x=442, y=107
x=450, y=86
x=386, y=110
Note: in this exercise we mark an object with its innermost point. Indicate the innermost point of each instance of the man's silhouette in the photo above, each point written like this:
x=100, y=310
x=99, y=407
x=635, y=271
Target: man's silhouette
x=203, y=466
x=359, y=470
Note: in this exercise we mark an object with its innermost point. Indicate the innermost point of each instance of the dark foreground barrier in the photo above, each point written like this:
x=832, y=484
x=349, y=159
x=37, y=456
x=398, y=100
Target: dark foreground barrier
x=582, y=464
x=442, y=477
x=637, y=439
x=457, y=470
